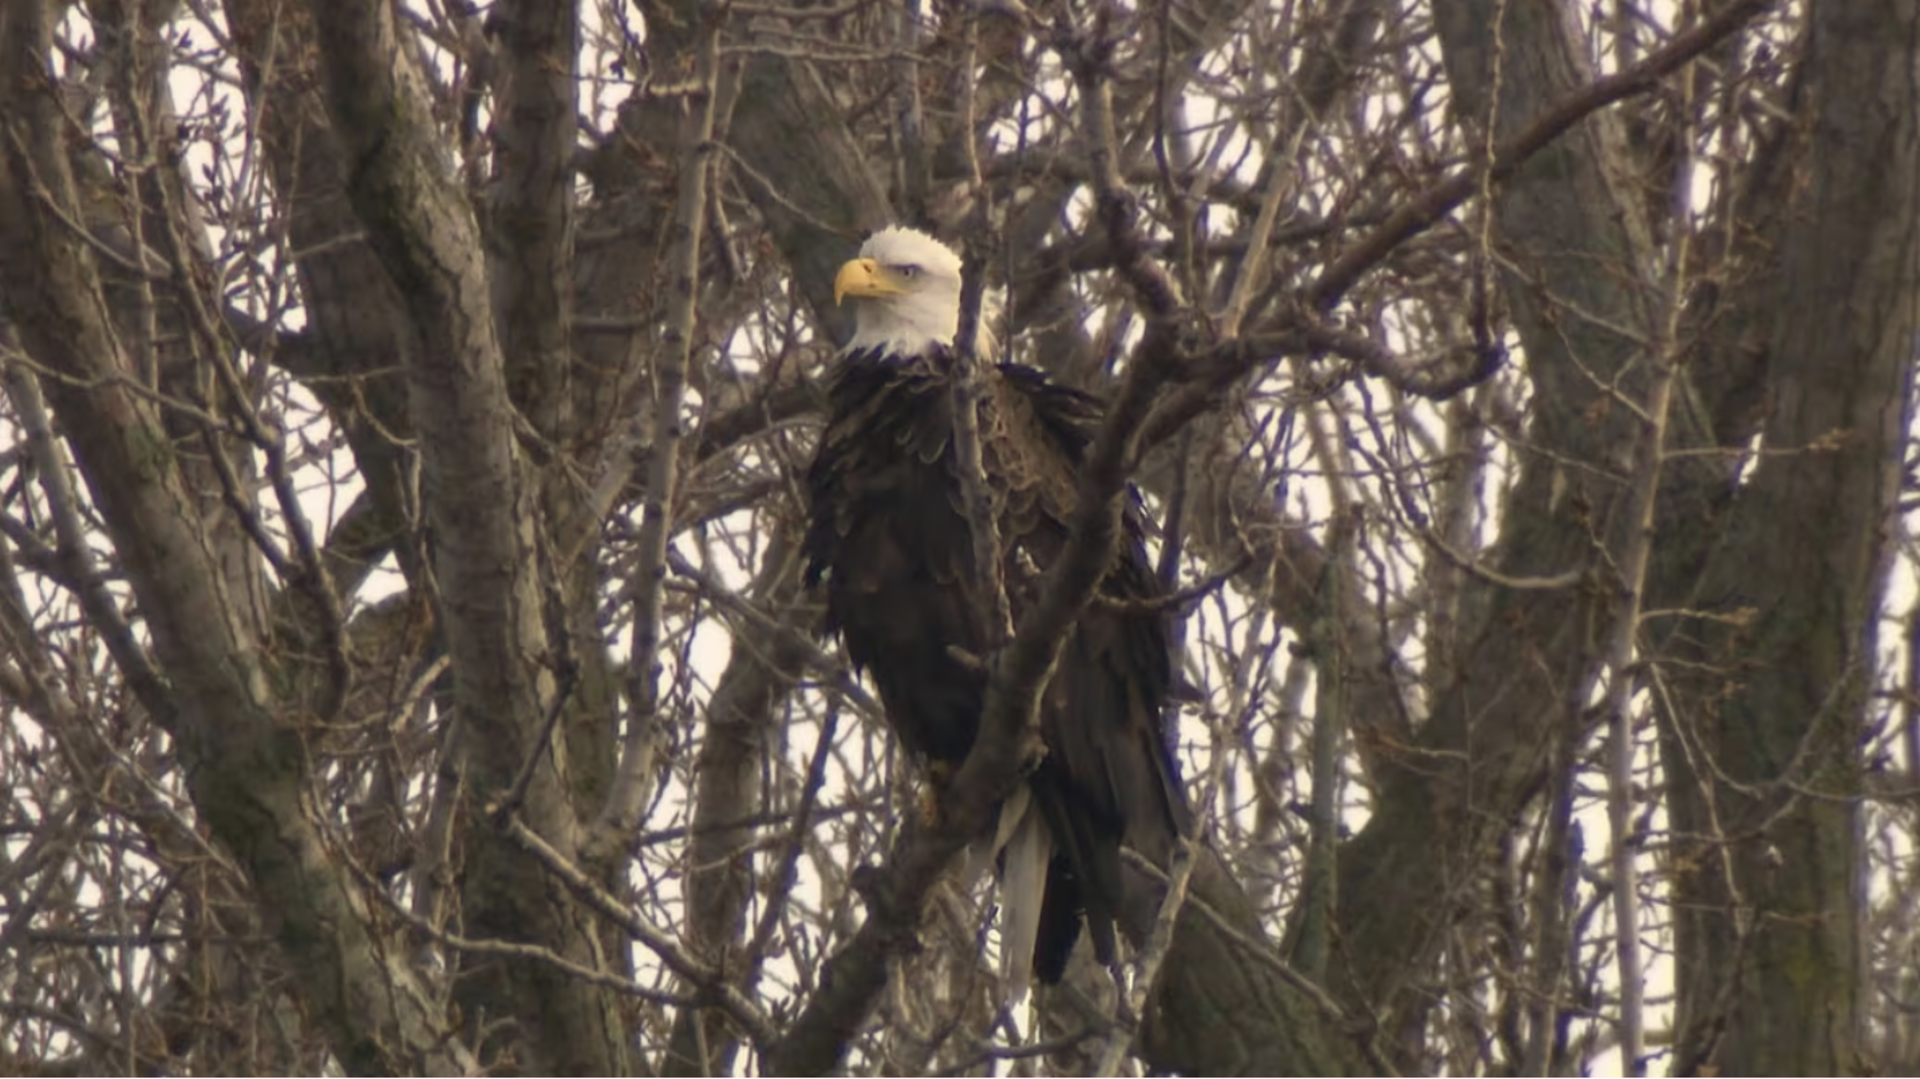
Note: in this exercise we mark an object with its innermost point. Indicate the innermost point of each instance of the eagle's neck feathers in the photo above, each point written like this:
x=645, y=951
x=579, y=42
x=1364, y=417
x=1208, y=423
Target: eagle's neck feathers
x=904, y=327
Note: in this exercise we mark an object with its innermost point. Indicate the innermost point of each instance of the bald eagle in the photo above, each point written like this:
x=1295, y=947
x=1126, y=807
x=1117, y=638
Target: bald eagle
x=889, y=537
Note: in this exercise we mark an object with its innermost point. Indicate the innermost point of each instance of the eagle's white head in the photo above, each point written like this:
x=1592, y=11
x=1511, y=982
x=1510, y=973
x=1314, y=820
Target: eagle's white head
x=906, y=291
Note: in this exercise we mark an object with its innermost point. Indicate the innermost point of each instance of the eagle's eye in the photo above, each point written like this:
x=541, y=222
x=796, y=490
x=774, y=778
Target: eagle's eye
x=907, y=270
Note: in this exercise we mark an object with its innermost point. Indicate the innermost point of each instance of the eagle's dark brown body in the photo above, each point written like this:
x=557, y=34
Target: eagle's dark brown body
x=889, y=536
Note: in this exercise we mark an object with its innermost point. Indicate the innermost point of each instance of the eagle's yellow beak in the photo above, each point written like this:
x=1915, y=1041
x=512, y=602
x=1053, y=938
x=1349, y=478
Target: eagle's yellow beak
x=864, y=277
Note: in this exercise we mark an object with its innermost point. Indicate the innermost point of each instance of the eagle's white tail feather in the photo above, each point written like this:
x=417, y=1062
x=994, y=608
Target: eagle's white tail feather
x=981, y=855
x=1023, y=892
x=1022, y=835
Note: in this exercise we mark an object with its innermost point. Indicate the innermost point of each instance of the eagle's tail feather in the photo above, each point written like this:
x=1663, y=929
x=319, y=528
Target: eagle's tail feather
x=1023, y=891
x=983, y=853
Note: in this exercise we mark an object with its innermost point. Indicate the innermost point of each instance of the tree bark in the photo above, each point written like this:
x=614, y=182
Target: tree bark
x=1572, y=243
x=480, y=506
x=1762, y=738
x=245, y=765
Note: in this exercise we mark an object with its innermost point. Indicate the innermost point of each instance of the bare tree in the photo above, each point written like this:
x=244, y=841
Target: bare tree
x=404, y=653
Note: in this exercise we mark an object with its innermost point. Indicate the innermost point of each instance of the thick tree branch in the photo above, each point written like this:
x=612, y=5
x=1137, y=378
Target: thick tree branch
x=530, y=216
x=1764, y=729
x=480, y=507
x=1435, y=203
x=245, y=768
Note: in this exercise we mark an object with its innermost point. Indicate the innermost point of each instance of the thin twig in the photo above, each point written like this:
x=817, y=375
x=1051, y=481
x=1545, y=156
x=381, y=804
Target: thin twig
x=1635, y=557
x=621, y=814
x=1442, y=198
x=967, y=393
x=30, y=411
x=662, y=943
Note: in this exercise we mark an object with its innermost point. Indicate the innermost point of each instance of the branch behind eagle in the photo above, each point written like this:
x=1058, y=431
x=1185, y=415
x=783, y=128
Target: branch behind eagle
x=890, y=538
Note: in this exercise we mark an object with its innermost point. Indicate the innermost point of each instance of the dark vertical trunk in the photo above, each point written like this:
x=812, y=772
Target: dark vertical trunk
x=1763, y=742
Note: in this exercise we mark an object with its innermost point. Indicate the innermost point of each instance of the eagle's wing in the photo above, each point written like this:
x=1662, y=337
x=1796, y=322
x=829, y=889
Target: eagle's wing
x=1108, y=777
x=890, y=540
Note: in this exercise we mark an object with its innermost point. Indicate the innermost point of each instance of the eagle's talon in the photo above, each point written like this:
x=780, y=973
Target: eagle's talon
x=939, y=777
x=929, y=808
